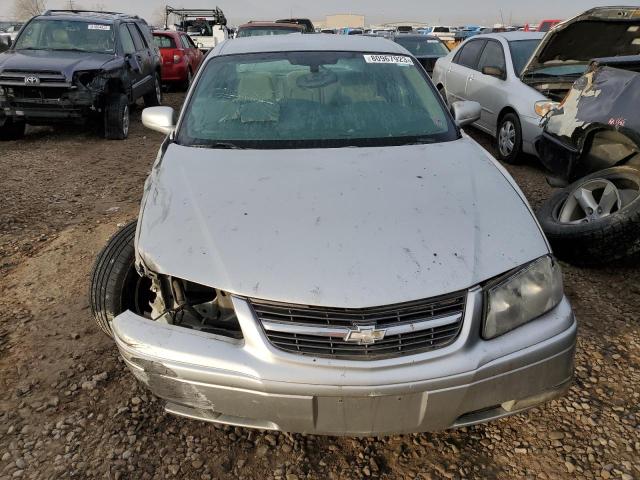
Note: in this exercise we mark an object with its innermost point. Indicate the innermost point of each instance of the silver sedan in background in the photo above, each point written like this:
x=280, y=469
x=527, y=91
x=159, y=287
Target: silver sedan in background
x=487, y=69
x=518, y=77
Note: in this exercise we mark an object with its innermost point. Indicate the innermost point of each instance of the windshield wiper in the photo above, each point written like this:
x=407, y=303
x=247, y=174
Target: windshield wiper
x=220, y=145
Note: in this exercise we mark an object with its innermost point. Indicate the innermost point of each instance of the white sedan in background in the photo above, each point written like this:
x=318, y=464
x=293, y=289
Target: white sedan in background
x=487, y=68
x=517, y=77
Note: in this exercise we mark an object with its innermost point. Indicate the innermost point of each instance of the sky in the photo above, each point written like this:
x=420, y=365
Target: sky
x=483, y=12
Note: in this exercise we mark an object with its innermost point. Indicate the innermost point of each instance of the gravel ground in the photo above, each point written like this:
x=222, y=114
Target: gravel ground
x=69, y=409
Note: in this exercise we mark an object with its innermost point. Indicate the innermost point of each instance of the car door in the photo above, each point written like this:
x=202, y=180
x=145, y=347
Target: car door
x=136, y=74
x=487, y=86
x=192, y=52
x=145, y=59
x=458, y=71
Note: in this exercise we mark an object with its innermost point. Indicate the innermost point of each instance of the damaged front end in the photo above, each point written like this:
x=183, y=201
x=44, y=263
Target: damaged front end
x=179, y=302
x=596, y=126
x=48, y=96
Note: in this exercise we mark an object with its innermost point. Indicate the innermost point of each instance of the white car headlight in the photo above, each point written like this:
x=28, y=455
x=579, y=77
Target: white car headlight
x=530, y=292
x=543, y=107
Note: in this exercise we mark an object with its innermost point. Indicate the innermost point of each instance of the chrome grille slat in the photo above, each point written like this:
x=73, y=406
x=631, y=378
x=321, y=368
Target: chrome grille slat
x=410, y=327
x=282, y=338
x=374, y=347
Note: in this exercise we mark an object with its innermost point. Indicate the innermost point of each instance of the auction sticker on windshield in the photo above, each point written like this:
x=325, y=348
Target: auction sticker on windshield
x=93, y=26
x=397, y=59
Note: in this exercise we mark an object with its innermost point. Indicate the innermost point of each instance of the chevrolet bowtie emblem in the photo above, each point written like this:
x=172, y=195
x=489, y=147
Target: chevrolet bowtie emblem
x=364, y=335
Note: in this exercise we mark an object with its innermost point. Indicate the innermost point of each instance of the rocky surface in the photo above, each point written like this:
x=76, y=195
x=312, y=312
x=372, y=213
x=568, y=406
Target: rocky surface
x=70, y=409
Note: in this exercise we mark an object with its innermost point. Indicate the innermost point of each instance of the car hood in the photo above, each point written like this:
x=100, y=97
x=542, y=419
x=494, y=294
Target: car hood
x=349, y=227
x=49, y=60
x=599, y=32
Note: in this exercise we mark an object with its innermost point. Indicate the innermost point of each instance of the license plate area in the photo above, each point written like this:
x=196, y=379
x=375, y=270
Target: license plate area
x=384, y=413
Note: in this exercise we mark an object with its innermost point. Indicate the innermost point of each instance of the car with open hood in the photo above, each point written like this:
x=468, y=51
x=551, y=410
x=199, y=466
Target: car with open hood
x=320, y=249
x=74, y=66
x=591, y=145
x=518, y=77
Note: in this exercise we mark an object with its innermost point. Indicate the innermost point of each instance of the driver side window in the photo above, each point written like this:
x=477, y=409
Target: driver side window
x=492, y=56
x=128, y=46
x=468, y=54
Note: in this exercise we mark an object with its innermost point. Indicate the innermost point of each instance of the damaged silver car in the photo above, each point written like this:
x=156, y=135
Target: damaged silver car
x=518, y=77
x=593, y=141
x=321, y=250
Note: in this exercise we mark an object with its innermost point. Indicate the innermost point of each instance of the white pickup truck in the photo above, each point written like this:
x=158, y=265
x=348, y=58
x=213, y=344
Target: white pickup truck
x=207, y=28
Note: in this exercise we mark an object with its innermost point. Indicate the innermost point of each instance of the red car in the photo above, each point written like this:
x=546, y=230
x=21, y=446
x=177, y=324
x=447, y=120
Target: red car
x=180, y=57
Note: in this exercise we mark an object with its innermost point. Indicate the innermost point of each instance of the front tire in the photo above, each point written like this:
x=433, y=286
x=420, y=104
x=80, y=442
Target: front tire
x=12, y=129
x=115, y=283
x=509, y=139
x=596, y=220
x=154, y=97
x=116, y=117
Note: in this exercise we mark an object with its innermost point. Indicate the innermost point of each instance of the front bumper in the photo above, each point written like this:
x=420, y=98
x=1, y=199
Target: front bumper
x=67, y=106
x=174, y=72
x=250, y=383
x=531, y=130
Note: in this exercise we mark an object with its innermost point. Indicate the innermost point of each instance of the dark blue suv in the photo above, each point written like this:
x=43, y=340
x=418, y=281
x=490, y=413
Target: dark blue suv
x=71, y=65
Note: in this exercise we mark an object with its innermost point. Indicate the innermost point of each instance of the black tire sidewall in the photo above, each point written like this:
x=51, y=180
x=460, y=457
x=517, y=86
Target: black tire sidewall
x=606, y=240
x=151, y=99
x=109, y=276
x=12, y=129
x=114, y=116
x=516, y=154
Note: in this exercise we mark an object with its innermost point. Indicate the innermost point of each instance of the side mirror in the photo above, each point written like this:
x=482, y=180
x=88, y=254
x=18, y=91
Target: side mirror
x=133, y=62
x=464, y=113
x=494, y=72
x=159, y=119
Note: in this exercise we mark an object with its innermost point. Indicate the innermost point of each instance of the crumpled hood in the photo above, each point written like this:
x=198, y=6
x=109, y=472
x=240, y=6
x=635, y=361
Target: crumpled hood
x=598, y=32
x=348, y=227
x=58, y=61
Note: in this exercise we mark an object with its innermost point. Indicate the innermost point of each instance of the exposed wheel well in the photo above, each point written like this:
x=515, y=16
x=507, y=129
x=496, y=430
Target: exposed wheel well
x=605, y=148
x=504, y=111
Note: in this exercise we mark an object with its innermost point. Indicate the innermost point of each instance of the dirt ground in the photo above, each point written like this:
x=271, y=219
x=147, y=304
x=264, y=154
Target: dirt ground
x=69, y=409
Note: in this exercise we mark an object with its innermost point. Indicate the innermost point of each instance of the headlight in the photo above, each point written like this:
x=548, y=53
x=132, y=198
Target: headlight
x=544, y=106
x=194, y=306
x=85, y=77
x=530, y=292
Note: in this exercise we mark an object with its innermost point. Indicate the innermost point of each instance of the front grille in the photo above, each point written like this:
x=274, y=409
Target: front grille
x=408, y=328
x=47, y=78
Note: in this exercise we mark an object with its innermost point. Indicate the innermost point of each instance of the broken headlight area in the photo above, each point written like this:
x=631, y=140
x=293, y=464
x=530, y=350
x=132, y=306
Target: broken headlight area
x=191, y=305
x=90, y=79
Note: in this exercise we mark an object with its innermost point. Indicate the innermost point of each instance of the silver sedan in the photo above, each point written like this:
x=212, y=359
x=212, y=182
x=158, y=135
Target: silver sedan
x=487, y=69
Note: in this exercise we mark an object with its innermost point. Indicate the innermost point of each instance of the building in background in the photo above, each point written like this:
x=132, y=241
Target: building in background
x=341, y=20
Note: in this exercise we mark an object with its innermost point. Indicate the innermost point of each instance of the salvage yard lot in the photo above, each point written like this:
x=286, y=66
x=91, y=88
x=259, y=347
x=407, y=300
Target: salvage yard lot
x=70, y=409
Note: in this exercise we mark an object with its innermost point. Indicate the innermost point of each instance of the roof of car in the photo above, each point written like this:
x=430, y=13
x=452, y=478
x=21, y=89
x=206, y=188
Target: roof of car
x=296, y=42
x=512, y=36
x=416, y=35
x=272, y=25
x=166, y=32
x=87, y=14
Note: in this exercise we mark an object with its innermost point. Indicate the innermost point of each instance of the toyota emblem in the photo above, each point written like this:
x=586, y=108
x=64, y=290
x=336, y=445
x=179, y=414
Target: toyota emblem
x=31, y=80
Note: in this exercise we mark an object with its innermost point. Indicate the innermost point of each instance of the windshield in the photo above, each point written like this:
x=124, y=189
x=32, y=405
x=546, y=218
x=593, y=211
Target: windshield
x=421, y=47
x=313, y=100
x=72, y=35
x=262, y=31
x=521, y=51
